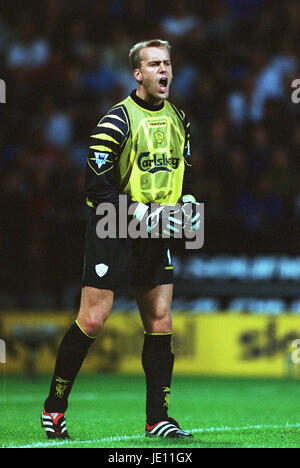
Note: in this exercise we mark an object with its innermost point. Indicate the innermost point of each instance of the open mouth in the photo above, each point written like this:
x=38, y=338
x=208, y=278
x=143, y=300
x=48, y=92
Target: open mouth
x=163, y=84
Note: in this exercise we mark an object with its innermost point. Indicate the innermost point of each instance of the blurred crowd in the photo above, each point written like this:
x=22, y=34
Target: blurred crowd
x=65, y=63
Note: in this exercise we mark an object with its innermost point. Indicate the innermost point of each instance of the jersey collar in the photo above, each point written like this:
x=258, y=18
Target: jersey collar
x=145, y=105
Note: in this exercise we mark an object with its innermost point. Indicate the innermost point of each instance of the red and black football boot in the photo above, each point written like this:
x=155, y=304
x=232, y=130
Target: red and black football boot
x=167, y=428
x=54, y=425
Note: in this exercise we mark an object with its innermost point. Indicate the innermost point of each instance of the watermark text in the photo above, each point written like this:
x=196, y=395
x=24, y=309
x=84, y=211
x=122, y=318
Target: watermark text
x=2, y=92
x=172, y=223
x=296, y=93
x=2, y=352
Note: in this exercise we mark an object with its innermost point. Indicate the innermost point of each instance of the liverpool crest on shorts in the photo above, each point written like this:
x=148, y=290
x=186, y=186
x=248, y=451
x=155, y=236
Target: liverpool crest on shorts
x=101, y=269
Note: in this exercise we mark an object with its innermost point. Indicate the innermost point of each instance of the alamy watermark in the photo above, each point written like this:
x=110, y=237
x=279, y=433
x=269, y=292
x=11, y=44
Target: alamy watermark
x=2, y=352
x=296, y=93
x=296, y=353
x=121, y=223
x=2, y=92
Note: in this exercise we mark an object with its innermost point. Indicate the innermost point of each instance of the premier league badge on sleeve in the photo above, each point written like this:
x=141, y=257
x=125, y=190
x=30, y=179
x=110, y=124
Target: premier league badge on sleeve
x=100, y=159
x=97, y=160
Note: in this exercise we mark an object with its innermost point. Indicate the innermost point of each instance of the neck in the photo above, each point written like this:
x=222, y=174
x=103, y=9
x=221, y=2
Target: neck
x=146, y=104
x=148, y=98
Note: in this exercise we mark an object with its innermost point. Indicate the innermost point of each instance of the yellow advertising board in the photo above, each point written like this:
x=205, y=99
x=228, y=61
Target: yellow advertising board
x=217, y=344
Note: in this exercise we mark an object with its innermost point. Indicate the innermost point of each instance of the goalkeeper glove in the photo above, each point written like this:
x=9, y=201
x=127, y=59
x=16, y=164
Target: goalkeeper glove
x=191, y=213
x=163, y=221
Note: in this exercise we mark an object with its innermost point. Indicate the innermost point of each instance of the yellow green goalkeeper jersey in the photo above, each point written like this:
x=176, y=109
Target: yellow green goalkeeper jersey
x=139, y=150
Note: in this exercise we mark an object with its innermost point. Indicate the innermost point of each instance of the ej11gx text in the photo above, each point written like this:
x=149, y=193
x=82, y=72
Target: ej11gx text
x=170, y=457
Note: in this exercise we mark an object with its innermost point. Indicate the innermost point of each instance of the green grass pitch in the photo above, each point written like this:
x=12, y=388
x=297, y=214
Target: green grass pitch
x=107, y=411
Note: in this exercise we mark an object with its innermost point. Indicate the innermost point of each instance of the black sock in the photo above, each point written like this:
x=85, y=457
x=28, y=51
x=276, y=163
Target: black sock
x=70, y=356
x=157, y=360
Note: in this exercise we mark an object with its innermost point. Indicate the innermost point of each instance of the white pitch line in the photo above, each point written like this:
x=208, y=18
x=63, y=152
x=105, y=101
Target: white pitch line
x=125, y=437
x=245, y=428
x=77, y=441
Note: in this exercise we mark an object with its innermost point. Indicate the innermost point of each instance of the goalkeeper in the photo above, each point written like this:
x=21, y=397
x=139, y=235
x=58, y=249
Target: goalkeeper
x=140, y=149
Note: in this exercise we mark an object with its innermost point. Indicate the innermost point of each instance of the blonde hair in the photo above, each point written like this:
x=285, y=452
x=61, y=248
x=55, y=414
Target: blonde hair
x=135, y=51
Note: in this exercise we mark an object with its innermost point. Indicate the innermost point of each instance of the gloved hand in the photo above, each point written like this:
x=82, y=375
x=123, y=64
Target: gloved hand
x=191, y=213
x=162, y=221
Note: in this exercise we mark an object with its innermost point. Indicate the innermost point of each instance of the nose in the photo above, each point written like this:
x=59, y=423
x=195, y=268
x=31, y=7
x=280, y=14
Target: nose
x=162, y=67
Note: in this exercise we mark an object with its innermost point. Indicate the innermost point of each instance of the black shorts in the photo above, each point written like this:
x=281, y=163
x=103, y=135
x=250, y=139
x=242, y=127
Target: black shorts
x=121, y=263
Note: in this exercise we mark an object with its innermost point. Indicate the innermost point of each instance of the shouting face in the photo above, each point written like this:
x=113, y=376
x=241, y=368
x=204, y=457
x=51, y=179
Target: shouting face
x=154, y=75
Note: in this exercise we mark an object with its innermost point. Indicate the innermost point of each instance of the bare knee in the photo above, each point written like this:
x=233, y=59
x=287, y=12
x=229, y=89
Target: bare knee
x=91, y=322
x=159, y=321
x=94, y=309
x=155, y=308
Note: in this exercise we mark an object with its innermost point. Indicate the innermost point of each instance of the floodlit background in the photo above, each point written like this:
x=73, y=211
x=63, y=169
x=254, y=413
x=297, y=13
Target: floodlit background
x=65, y=64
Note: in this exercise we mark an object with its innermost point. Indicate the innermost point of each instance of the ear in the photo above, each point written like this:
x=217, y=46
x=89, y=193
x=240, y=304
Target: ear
x=137, y=75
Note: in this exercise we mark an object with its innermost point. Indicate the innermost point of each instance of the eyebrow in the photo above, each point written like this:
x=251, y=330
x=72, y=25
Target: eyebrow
x=159, y=61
